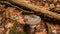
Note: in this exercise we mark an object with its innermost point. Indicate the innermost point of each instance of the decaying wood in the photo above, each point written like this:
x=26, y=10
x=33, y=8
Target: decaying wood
x=36, y=8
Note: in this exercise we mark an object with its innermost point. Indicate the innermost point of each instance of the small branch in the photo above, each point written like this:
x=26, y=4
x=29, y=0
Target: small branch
x=36, y=8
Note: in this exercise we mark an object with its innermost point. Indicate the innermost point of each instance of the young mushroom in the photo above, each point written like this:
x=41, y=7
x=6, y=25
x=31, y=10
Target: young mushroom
x=32, y=20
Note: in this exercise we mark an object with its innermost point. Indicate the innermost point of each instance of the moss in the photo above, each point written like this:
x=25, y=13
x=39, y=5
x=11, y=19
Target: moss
x=13, y=29
x=21, y=33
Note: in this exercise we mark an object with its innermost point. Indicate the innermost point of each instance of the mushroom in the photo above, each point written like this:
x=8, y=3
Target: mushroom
x=32, y=20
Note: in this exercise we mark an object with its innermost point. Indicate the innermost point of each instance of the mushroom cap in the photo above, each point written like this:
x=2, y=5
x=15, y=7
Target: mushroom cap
x=32, y=19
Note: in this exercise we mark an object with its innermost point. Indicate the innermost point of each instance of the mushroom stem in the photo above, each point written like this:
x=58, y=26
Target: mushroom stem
x=32, y=26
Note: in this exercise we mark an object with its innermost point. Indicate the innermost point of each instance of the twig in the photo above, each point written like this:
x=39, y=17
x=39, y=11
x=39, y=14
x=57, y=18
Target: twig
x=36, y=8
